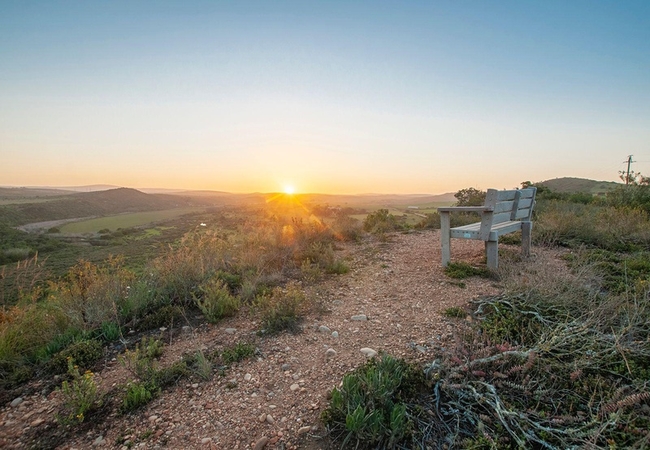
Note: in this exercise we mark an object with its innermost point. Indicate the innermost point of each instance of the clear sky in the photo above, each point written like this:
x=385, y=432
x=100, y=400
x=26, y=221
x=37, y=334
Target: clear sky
x=332, y=96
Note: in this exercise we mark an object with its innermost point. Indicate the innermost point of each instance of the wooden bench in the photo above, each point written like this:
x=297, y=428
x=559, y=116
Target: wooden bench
x=503, y=212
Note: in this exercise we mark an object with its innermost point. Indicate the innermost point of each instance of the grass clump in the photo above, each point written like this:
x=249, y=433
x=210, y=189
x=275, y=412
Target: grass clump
x=455, y=312
x=282, y=309
x=372, y=408
x=461, y=270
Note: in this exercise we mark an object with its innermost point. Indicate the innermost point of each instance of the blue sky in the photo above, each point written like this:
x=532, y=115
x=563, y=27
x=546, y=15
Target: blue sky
x=342, y=97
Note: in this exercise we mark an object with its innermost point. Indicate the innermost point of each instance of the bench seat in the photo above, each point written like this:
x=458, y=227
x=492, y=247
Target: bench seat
x=504, y=212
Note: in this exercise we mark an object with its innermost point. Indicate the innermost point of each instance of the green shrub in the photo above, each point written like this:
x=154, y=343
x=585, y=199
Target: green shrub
x=140, y=360
x=282, y=309
x=237, y=353
x=79, y=396
x=84, y=354
x=380, y=221
x=371, y=408
x=215, y=300
x=137, y=395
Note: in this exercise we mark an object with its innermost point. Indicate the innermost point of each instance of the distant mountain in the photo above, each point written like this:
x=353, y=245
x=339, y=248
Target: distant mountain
x=86, y=204
x=572, y=185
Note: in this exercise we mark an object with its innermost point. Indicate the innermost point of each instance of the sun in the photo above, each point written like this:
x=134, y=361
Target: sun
x=289, y=189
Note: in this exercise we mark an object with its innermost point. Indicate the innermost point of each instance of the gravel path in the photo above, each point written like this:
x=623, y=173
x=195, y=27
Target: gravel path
x=391, y=301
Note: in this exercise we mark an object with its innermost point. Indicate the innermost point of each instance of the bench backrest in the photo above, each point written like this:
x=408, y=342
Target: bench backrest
x=516, y=204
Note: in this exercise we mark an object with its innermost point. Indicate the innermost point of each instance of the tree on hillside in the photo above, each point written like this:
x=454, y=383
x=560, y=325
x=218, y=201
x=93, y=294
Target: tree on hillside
x=470, y=197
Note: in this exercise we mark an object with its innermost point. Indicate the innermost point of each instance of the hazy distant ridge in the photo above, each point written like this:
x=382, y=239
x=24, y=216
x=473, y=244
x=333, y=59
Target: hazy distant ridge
x=100, y=203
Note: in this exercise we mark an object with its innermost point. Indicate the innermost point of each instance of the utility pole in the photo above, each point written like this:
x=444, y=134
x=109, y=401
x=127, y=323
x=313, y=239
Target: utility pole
x=629, y=162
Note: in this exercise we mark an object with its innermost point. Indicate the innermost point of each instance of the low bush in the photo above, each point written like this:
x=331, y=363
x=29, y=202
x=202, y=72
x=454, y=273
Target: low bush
x=215, y=300
x=282, y=309
x=165, y=316
x=136, y=395
x=380, y=221
x=373, y=406
x=239, y=352
x=80, y=395
x=84, y=353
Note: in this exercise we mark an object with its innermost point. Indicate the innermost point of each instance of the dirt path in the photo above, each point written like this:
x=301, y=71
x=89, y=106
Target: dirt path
x=278, y=396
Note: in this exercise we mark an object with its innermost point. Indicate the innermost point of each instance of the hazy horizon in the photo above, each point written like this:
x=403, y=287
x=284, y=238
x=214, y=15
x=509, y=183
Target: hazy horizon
x=326, y=97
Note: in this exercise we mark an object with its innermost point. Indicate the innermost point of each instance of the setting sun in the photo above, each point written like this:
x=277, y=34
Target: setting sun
x=289, y=190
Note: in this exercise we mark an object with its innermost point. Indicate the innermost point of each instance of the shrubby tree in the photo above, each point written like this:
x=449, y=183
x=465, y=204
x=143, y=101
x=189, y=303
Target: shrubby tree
x=470, y=197
x=636, y=194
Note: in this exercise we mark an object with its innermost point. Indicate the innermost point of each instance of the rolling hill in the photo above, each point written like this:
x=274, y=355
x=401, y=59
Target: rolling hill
x=571, y=185
x=86, y=204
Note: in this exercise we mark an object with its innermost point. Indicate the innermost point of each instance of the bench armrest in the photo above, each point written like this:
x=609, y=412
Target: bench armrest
x=478, y=209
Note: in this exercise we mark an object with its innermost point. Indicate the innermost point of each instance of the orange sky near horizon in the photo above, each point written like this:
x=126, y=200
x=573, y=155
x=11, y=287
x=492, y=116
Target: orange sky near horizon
x=330, y=97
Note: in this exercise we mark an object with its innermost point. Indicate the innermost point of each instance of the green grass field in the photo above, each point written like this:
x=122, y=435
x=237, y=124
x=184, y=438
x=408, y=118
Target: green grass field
x=125, y=220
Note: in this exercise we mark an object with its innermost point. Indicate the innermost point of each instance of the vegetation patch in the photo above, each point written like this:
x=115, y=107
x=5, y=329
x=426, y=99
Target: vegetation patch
x=461, y=270
x=373, y=408
x=239, y=352
x=215, y=300
x=455, y=312
x=282, y=309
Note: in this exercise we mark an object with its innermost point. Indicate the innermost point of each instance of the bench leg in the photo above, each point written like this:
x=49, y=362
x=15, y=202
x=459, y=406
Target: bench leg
x=492, y=252
x=445, y=238
x=526, y=228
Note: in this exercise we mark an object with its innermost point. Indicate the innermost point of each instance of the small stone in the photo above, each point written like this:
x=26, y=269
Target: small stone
x=303, y=430
x=369, y=352
x=324, y=329
x=262, y=418
x=285, y=367
x=269, y=419
x=17, y=401
x=330, y=352
x=186, y=329
x=163, y=329
x=421, y=349
x=99, y=441
x=206, y=440
x=294, y=387
x=36, y=422
x=153, y=418
x=195, y=385
x=335, y=334
x=359, y=317
x=159, y=433
x=261, y=443
x=230, y=330
x=248, y=377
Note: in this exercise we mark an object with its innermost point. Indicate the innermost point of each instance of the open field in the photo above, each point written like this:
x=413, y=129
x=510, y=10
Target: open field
x=128, y=220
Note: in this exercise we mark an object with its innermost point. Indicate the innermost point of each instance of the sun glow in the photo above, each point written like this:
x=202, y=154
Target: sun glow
x=289, y=189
